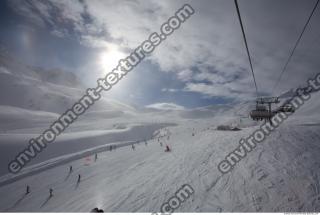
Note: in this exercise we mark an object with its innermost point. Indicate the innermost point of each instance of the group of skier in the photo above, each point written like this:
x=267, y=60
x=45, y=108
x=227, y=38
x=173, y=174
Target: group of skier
x=28, y=191
x=137, y=142
x=167, y=149
x=51, y=190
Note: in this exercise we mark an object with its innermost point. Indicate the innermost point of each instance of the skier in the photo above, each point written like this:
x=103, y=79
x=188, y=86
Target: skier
x=167, y=149
x=27, y=190
x=51, y=192
x=79, y=178
x=97, y=210
x=70, y=169
x=133, y=147
x=95, y=157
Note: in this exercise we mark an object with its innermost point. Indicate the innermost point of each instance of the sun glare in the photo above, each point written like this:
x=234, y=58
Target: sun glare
x=109, y=59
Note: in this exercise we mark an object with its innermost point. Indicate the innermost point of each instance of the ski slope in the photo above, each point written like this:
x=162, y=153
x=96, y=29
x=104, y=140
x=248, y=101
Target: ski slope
x=281, y=174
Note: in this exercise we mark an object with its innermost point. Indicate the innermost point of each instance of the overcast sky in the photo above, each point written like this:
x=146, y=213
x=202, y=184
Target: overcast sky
x=202, y=63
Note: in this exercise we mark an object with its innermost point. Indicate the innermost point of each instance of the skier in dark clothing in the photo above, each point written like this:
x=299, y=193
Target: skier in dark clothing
x=133, y=147
x=167, y=149
x=70, y=169
x=51, y=192
x=97, y=210
x=28, y=190
x=95, y=157
x=79, y=178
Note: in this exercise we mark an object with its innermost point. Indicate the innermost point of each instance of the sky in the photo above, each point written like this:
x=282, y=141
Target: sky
x=203, y=63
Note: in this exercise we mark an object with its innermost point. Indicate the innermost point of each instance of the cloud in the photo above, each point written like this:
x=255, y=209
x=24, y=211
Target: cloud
x=185, y=75
x=222, y=90
x=62, y=18
x=207, y=53
x=169, y=90
x=165, y=106
x=58, y=33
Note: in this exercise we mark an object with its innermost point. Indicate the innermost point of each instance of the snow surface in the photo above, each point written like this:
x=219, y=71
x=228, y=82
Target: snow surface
x=281, y=174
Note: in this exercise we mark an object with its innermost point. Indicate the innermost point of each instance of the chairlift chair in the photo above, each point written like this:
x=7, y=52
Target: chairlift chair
x=263, y=109
x=259, y=115
x=286, y=108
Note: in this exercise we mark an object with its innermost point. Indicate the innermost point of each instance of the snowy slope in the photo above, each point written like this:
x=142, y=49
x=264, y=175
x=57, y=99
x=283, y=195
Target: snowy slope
x=309, y=112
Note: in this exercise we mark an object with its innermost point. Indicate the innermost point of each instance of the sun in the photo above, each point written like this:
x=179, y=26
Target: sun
x=109, y=59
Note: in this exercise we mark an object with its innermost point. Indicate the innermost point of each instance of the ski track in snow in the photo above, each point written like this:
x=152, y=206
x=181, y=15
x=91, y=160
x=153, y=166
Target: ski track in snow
x=280, y=174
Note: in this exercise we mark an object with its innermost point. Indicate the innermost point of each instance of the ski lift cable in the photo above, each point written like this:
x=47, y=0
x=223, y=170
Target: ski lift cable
x=295, y=46
x=246, y=44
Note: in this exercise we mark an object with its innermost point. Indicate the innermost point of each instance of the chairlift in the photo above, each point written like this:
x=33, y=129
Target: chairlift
x=259, y=115
x=267, y=100
x=263, y=109
x=286, y=108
